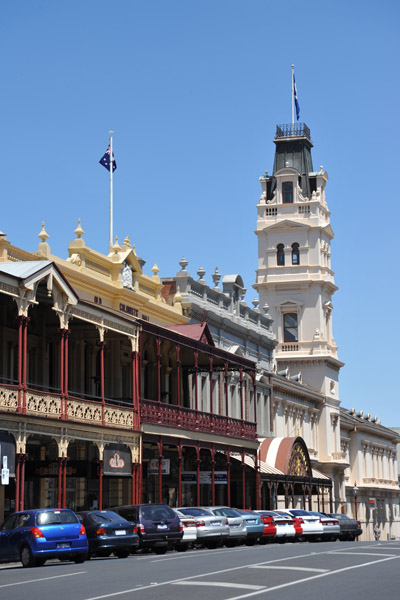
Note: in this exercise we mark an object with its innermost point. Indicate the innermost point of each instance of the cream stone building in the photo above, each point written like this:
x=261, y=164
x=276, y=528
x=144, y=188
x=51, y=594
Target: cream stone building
x=295, y=280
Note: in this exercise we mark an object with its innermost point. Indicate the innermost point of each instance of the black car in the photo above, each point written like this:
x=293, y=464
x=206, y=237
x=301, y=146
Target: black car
x=107, y=532
x=349, y=528
x=159, y=527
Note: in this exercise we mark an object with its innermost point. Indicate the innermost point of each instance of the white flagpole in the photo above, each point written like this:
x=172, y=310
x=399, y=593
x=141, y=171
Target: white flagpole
x=111, y=190
x=292, y=99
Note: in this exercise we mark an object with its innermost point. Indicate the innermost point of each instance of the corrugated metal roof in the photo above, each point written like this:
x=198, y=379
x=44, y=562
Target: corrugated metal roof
x=24, y=268
x=319, y=475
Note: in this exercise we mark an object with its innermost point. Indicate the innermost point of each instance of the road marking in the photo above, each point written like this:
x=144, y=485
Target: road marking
x=222, y=584
x=288, y=567
x=284, y=585
x=42, y=579
x=365, y=553
x=145, y=587
x=196, y=554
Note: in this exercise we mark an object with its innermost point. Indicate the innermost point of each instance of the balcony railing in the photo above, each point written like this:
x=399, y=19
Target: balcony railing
x=114, y=413
x=172, y=415
x=293, y=130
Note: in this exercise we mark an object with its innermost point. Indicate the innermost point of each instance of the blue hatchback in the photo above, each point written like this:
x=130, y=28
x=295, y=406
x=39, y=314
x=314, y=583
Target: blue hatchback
x=33, y=536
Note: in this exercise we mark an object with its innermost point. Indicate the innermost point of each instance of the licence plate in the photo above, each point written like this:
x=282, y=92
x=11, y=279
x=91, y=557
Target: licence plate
x=64, y=545
x=251, y=521
x=120, y=532
x=216, y=523
x=162, y=526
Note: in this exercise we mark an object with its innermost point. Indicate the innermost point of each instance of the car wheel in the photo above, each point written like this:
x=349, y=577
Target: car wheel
x=160, y=549
x=80, y=559
x=26, y=557
x=122, y=553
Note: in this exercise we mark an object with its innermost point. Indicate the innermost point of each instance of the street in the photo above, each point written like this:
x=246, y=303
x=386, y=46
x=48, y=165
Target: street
x=312, y=570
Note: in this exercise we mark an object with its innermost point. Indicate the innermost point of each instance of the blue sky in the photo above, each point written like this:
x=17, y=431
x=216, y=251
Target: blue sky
x=193, y=91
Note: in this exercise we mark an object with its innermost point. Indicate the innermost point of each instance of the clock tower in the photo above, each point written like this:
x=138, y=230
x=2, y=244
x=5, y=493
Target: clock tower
x=294, y=275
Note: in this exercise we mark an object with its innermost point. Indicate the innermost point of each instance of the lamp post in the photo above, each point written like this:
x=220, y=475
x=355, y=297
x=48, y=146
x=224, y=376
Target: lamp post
x=355, y=494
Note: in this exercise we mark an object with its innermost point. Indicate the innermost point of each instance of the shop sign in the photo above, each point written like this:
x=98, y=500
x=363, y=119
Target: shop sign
x=220, y=477
x=117, y=460
x=152, y=469
x=7, y=449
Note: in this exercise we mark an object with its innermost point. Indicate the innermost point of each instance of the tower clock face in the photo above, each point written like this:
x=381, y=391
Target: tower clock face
x=298, y=464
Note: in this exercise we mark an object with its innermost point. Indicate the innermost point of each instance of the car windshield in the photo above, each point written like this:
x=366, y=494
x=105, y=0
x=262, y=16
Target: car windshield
x=300, y=513
x=104, y=516
x=226, y=512
x=194, y=512
x=157, y=513
x=56, y=517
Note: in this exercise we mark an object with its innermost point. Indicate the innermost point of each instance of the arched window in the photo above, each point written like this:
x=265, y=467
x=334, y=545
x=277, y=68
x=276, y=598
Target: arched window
x=290, y=327
x=295, y=254
x=287, y=192
x=280, y=255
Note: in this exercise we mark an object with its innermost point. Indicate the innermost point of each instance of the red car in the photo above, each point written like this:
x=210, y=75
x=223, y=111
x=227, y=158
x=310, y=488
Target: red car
x=269, y=528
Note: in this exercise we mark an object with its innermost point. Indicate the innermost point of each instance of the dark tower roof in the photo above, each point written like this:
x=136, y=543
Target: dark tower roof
x=293, y=149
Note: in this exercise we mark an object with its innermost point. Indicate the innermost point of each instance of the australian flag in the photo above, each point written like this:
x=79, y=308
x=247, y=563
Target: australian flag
x=296, y=102
x=105, y=160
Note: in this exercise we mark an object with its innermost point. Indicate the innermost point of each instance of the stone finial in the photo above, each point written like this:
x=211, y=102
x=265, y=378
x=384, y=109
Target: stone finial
x=216, y=276
x=178, y=297
x=44, y=248
x=255, y=302
x=201, y=272
x=183, y=263
x=116, y=247
x=79, y=231
x=127, y=242
x=155, y=270
x=266, y=308
x=43, y=235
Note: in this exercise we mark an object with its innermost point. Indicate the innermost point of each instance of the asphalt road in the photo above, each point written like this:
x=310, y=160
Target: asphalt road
x=334, y=570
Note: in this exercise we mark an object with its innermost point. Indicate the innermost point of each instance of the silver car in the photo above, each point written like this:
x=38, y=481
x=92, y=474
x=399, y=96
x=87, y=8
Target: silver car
x=237, y=525
x=211, y=530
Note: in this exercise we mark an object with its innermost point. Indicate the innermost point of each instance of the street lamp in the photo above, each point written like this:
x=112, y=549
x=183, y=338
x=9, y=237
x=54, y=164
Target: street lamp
x=355, y=494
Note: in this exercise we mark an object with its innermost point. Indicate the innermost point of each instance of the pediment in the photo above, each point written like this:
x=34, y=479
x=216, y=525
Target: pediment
x=286, y=224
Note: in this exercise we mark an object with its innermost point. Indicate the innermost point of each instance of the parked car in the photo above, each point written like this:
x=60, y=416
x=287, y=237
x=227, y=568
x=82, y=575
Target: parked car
x=189, y=532
x=297, y=523
x=269, y=534
x=285, y=530
x=349, y=528
x=34, y=536
x=312, y=526
x=254, y=525
x=330, y=526
x=159, y=527
x=237, y=526
x=108, y=533
x=211, y=530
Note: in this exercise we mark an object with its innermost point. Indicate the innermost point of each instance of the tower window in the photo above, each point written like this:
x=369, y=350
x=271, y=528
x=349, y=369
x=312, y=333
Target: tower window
x=280, y=255
x=287, y=192
x=290, y=327
x=295, y=254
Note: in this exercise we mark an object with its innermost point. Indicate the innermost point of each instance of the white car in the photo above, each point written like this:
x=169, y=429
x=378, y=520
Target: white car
x=285, y=530
x=312, y=526
x=189, y=531
x=331, y=527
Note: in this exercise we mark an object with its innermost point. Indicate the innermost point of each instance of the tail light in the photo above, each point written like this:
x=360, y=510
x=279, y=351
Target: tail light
x=200, y=524
x=141, y=528
x=100, y=531
x=226, y=522
x=135, y=529
x=180, y=526
x=300, y=520
x=359, y=524
x=36, y=532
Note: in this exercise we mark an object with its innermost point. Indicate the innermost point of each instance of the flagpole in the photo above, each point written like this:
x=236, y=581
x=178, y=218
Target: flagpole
x=292, y=99
x=111, y=190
